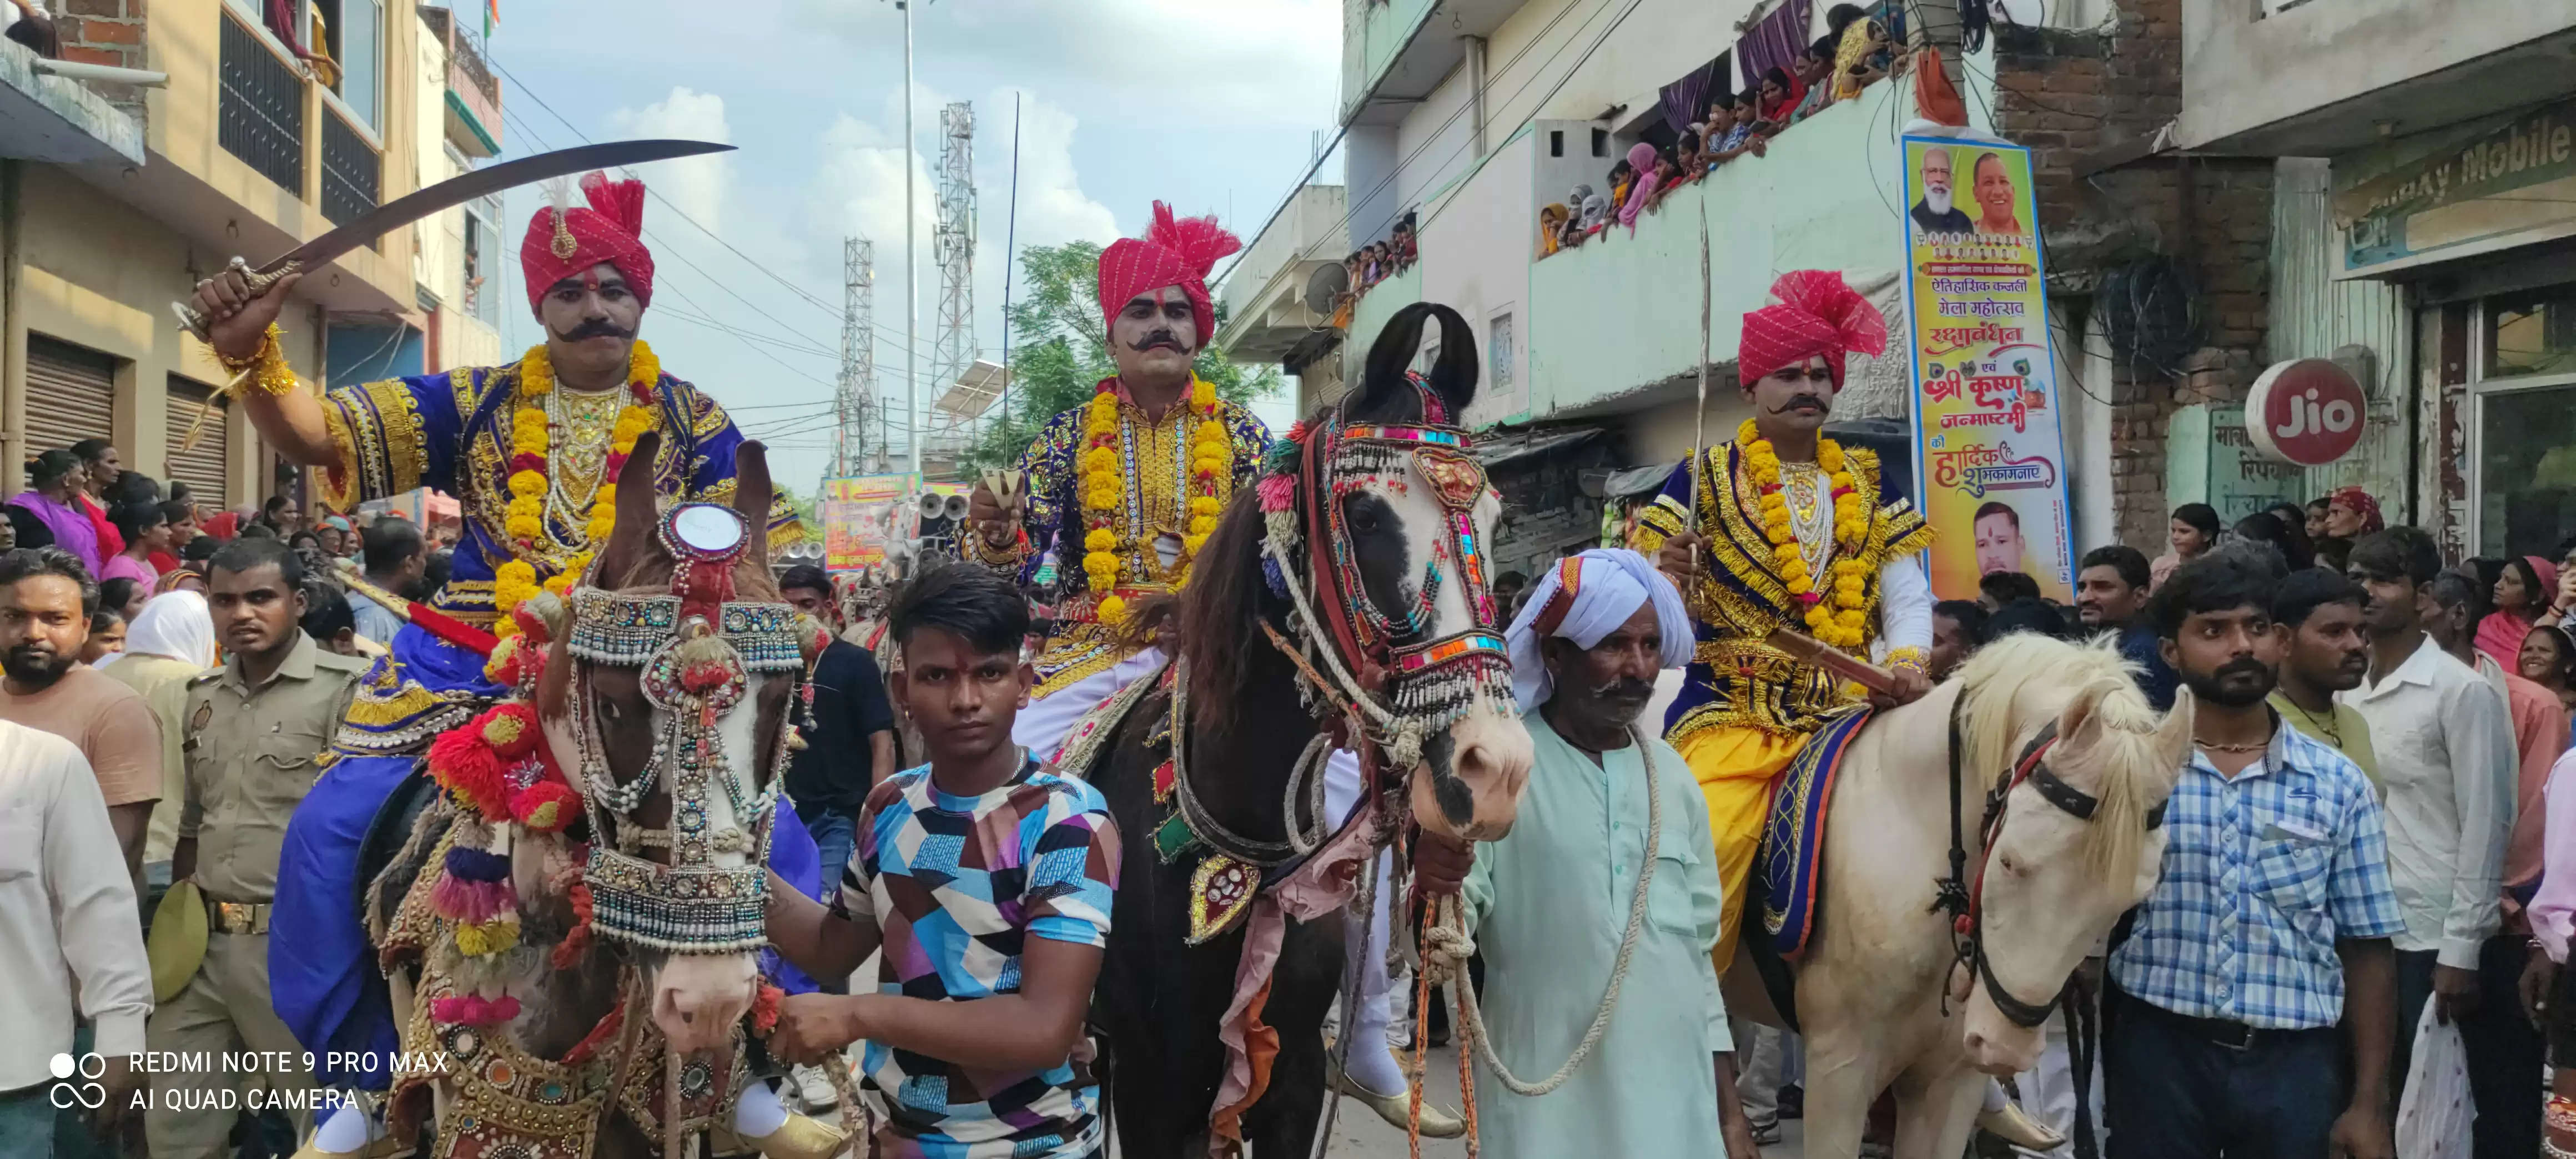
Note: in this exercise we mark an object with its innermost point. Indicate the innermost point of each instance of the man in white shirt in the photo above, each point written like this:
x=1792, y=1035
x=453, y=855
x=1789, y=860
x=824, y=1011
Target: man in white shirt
x=69, y=944
x=2446, y=756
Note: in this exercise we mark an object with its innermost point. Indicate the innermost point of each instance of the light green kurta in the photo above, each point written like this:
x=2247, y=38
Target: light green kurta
x=1548, y=904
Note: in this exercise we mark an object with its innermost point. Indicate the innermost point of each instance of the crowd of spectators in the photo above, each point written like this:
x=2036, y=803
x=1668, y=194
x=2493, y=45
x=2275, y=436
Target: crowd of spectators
x=1857, y=49
x=137, y=538
x=1376, y=262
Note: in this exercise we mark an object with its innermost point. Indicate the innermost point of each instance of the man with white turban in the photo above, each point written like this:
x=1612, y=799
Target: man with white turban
x=1550, y=904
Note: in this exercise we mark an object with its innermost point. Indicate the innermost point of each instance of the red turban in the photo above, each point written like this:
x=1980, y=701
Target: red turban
x=1172, y=253
x=562, y=242
x=1816, y=314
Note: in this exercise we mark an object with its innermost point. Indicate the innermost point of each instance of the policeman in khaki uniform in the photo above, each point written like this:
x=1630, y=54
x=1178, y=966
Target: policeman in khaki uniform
x=255, y=728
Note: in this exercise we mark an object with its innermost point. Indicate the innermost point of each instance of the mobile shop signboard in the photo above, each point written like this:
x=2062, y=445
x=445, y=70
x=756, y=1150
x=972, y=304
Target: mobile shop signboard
x=862, y=514
x=1989, y=464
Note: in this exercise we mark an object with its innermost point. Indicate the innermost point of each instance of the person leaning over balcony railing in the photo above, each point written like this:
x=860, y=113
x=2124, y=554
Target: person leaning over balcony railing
x=30, y=26
x=1731, y=126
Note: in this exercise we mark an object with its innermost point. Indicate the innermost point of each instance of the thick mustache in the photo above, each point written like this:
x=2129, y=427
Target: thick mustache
x=1161, y=338
x=595, y=328
x=2246, y=665
x=1796, y=401
x=1624, y=689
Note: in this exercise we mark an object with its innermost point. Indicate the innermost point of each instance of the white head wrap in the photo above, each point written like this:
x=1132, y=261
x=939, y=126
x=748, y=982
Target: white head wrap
x=176, y=625
x=1583, y=598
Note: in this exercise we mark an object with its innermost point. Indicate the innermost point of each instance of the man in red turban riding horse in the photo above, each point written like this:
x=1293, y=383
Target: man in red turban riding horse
x=1782, y=527
x=531, y=450
x=1122, y=491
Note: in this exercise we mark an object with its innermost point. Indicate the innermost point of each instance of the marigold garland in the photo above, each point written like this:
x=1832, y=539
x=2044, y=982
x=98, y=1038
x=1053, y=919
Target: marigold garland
x=1104, y=490
x=1840, y=621
x=531, y=436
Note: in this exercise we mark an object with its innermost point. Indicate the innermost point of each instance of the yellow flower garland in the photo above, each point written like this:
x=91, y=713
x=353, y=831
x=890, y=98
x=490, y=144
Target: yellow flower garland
x=524, y=520
x=1104, y=490
x=1840, y=621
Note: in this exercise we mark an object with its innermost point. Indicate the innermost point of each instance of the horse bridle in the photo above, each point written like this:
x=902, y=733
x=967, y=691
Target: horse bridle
x=1961, y=896
x=1390, y=696
x=698, y=649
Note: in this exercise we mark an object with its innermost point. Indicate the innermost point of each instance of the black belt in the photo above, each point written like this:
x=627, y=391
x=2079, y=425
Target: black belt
x=2220, y=1031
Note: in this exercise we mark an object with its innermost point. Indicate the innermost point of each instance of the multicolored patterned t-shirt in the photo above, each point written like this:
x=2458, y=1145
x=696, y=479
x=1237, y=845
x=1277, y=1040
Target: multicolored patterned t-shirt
x=957, y=885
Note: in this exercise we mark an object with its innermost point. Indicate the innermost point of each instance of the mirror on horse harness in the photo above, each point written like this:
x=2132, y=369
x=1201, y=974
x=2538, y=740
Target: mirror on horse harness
x=706, y=530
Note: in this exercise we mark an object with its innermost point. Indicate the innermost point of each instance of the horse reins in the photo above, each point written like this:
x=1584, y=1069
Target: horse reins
x=1961, y=895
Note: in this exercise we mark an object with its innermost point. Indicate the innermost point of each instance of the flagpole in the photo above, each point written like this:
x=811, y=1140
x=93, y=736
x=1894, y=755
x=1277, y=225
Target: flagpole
x=1699, y=413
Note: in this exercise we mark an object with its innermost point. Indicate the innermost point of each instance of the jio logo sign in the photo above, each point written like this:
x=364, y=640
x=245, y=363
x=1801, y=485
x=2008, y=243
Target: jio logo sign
x=2308, y=411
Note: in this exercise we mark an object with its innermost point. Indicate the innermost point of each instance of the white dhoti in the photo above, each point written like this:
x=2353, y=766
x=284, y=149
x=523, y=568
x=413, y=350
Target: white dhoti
x=1041, y=729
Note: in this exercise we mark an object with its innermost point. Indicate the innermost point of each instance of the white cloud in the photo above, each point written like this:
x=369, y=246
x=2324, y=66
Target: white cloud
x=698, y=186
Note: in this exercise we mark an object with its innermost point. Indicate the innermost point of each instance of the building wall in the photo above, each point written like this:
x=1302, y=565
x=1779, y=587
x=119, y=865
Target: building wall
x=2076, y=96
x=2248, y=68
x=100, y=275
x=1621, y=313
x=1483, y=280
x=2364, y=324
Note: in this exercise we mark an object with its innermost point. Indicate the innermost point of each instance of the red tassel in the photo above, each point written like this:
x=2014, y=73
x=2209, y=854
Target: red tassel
x=465, y=766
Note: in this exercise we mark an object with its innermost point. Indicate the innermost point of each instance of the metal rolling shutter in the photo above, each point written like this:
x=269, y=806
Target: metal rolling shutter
x=201, y=468
x=71, y=394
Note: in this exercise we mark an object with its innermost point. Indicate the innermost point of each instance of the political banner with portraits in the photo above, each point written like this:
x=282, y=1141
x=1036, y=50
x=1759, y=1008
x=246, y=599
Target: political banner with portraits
x=1989, y=463
x=862, y=514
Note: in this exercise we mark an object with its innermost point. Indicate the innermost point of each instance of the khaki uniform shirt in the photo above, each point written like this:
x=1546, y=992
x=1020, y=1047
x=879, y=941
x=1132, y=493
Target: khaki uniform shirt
x=250, y=754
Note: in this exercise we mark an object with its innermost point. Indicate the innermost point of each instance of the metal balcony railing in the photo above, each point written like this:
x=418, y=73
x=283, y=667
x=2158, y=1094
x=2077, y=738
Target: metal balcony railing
x=351, y=172
x=260, y=112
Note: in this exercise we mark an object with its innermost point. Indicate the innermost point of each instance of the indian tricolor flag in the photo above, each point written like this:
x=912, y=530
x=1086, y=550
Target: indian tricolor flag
x=491, y=17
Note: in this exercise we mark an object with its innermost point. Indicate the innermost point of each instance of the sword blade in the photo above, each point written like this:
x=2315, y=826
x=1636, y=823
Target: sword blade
x=458, y=190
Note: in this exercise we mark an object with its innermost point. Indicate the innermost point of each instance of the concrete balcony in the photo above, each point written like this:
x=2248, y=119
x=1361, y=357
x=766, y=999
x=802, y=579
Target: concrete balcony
x=1395, y=53
x=2326, y=77
x=246, y=154
x=1265, y=293
x=60, y=121
x=473, y=115
x=1613, y=324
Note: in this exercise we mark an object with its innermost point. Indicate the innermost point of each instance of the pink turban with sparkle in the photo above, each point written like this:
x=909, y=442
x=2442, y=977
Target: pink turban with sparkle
x=564, y=241
x=1815, y=313
x=1174, y=252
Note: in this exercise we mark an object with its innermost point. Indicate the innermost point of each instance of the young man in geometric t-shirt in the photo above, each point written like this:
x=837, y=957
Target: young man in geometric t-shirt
x=987, y=883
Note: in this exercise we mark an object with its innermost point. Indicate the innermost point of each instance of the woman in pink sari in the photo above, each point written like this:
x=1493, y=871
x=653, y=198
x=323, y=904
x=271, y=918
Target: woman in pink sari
x=2521, y=593
x=1641, y=158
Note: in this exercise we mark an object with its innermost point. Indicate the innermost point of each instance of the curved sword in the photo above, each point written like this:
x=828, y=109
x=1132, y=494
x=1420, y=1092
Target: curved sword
x=454, y=191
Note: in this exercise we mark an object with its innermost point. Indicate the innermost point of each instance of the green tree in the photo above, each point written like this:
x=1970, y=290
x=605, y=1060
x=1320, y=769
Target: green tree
x=1060, y=352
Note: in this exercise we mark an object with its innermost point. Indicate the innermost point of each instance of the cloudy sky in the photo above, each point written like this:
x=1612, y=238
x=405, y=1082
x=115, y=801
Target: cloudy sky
x=1208, y=105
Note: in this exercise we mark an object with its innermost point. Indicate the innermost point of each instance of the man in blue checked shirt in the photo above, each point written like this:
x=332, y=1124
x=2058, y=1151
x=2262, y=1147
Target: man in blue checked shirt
x=2274, y=902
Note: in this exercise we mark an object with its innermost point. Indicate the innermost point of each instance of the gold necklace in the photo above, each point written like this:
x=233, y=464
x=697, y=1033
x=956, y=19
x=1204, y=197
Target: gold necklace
x=581, y=423
x=2254, y=747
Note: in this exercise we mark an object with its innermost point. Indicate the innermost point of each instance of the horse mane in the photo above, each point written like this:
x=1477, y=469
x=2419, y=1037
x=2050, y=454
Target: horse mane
x=2016, y=685
x=1222, y=612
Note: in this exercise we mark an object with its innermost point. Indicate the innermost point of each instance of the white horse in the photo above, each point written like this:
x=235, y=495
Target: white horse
x=1883, y=998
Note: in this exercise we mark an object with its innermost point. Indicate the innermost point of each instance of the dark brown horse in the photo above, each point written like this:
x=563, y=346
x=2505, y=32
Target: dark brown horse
x=607, y=1016
x=1162, y=1000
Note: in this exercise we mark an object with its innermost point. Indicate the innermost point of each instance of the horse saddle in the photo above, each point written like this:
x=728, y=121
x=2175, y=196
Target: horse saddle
x=1786, y=890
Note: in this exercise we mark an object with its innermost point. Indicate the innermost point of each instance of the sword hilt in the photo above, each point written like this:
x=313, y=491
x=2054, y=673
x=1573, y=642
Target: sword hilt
x=258, y=282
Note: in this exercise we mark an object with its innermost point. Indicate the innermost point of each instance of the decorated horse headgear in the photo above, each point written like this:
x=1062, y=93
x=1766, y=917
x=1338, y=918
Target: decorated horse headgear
x=1425, y=683
x=698, y=648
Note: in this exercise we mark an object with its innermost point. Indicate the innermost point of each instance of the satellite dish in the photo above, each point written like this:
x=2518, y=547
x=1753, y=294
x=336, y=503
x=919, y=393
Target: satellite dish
x=1325, y=288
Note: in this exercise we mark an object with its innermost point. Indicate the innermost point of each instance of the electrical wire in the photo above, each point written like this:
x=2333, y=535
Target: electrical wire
x=683, y=215
x=1493, y=76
